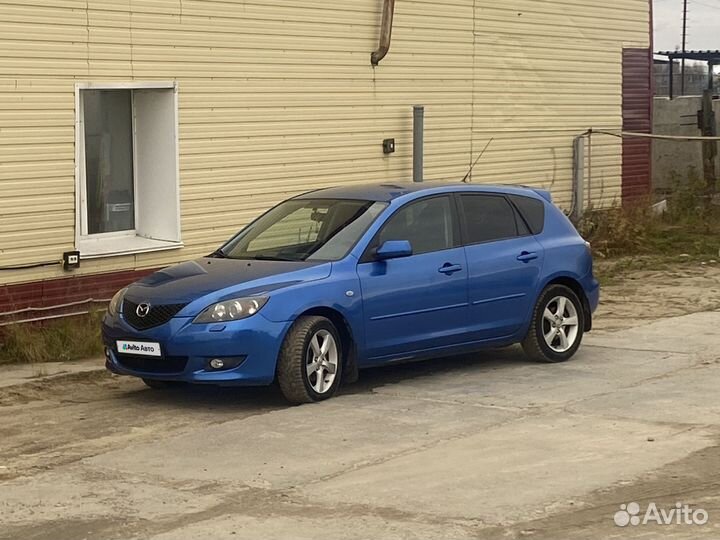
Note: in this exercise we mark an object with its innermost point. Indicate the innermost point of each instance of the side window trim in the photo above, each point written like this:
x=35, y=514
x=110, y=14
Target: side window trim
x=520, y=220
x=368, y=254
x=464, y=222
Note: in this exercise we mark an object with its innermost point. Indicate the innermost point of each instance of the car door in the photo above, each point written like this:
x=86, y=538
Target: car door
x=419, y=302
x=504, y=265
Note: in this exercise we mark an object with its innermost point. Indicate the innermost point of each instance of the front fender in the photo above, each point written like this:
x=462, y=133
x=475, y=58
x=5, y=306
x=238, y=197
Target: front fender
x=341, y=293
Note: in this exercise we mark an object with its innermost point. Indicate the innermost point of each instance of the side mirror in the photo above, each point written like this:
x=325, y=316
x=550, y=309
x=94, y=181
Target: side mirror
x=394, y=249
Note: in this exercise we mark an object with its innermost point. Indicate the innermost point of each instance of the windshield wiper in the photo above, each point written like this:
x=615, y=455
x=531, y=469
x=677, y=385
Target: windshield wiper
x=271, y=258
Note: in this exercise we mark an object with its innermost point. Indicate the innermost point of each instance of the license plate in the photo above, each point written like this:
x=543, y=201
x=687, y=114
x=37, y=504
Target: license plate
x=139, y=348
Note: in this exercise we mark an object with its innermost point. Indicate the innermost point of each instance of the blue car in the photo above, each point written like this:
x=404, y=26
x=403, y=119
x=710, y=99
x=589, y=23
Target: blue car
x=337, y=280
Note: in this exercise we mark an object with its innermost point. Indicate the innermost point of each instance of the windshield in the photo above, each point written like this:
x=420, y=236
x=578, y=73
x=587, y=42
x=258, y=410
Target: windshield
x=305, y=230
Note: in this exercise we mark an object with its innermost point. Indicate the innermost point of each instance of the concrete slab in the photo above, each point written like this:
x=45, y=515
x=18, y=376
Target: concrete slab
x=452, y=448
x=686, y=398
x=515, y=472
x=506, y=379
x=330, y=525
x=698, y=333
x=299, y=444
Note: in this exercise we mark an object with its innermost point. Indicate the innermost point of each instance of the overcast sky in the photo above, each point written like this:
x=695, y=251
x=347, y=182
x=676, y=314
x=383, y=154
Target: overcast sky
x=703, y=24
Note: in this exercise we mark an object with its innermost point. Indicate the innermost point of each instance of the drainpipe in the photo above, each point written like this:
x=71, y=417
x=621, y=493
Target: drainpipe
x=418, y=142
x=385, y=32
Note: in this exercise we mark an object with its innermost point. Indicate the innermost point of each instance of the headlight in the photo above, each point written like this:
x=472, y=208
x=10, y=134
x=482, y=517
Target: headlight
x=116, y=302
x=231, y=310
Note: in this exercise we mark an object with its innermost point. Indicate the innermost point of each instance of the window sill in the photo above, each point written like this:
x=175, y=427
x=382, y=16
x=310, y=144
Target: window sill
x=95, y=248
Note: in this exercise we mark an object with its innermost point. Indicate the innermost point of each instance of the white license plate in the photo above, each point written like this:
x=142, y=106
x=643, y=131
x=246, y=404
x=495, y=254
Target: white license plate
x=139, y=348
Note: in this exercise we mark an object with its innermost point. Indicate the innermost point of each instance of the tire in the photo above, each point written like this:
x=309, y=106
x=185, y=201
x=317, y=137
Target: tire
x=304, y=372
x=552, y=336
x=161, y=385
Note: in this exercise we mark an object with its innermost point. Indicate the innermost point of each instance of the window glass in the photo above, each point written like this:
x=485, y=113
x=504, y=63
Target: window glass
x=300, y=226
x=488, y=218
x=532, y=210
x=109, y=160
x=426, y=224
x=305, y=230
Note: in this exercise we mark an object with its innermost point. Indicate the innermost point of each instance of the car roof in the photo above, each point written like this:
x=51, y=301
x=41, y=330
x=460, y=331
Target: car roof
x=391, y=192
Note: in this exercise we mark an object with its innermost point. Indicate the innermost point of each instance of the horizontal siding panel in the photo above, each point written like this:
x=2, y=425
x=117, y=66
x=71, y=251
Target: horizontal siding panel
x=278, y=97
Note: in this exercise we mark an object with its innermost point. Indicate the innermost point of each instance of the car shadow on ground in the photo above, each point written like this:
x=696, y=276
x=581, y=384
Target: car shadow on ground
x=461, y=365
x=228, y=399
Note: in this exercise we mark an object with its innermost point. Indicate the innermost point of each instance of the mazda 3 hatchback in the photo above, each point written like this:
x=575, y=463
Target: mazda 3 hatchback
x=337, y=280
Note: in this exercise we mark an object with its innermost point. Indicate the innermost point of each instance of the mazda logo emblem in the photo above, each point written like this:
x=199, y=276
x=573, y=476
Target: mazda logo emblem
x=143, y=310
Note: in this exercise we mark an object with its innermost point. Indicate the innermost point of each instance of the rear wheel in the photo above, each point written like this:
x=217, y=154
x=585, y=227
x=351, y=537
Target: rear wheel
x=558, y=326
x=310, y=361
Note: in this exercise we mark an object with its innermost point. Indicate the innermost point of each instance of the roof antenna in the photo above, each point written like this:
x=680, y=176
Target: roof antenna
x=467, y=176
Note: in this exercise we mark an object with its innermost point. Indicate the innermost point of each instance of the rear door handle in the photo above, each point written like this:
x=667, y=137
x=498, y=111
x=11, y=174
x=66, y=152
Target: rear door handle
x=450, y=269
x=526, y=257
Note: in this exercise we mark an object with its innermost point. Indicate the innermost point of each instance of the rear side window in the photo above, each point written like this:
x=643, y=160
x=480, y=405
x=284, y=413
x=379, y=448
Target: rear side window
x=532, y=210
x=488, y=218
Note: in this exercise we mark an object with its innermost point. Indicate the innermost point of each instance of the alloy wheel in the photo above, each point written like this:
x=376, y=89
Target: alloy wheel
x=322, y=361
x=560, y=324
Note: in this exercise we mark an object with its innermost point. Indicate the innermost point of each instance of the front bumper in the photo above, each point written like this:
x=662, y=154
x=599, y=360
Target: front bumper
x=187, y=349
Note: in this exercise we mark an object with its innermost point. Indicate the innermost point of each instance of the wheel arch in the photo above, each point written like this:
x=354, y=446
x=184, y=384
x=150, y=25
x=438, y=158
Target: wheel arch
x=578, y=289
x=349, y=344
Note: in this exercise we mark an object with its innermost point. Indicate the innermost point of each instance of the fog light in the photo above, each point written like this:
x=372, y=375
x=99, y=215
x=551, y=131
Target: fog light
x=216, y=363
x=107, y=353
x=224, y=364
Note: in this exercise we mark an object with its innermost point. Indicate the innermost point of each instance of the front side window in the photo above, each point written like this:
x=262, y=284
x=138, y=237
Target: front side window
x=305, y=230
x=426, y=224
x=487, y=218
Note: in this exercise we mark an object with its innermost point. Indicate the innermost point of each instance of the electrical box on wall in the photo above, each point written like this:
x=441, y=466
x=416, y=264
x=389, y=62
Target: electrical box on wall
x=71, y=260
x=389, y=146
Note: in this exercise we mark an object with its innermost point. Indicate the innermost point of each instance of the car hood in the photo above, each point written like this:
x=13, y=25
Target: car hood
x=221, y=279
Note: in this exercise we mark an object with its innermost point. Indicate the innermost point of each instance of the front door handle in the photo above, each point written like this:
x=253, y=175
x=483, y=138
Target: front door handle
x=450, y=269
x=526, y=257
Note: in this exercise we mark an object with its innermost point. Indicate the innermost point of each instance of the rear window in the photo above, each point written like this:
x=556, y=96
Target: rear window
x=532, y=211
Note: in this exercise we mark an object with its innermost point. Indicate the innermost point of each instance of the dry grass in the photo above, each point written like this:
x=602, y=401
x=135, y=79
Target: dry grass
x=59, y=340
x=690, y=226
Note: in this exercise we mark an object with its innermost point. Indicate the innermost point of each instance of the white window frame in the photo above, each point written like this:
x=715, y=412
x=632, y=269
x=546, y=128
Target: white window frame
x=123, y=242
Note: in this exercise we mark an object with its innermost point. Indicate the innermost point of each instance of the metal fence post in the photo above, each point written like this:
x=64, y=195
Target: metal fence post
x=578, y=178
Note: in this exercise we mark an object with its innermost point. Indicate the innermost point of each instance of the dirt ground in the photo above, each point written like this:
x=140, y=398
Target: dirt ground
x=485, y=446
x=636, y=297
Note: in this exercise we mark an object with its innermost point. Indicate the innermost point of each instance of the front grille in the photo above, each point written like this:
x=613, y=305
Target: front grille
x=167, y=365
x=156, y=316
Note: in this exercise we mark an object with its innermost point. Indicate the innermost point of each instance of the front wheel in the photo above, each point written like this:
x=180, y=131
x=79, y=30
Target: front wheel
x=310, y=361
x=557, y=327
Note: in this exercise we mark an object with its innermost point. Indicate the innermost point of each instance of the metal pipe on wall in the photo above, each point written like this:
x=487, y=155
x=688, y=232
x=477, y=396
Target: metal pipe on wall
x=418, y=142
x=385, y=32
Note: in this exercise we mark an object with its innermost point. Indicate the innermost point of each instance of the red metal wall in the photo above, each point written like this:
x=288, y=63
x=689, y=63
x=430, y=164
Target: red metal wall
x=54, y=292
x=637, y=117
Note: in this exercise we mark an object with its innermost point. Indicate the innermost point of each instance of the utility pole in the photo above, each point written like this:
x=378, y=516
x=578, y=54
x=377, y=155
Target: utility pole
x=684, y=47
x=708, y=127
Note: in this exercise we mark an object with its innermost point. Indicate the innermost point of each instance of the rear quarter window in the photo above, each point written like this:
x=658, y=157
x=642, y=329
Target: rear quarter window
x=532, y=211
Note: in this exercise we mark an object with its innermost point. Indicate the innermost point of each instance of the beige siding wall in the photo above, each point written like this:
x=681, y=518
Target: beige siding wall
x=279, y=97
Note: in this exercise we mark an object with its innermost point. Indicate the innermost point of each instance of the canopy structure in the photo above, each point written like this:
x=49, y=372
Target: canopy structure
x=711, y=57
